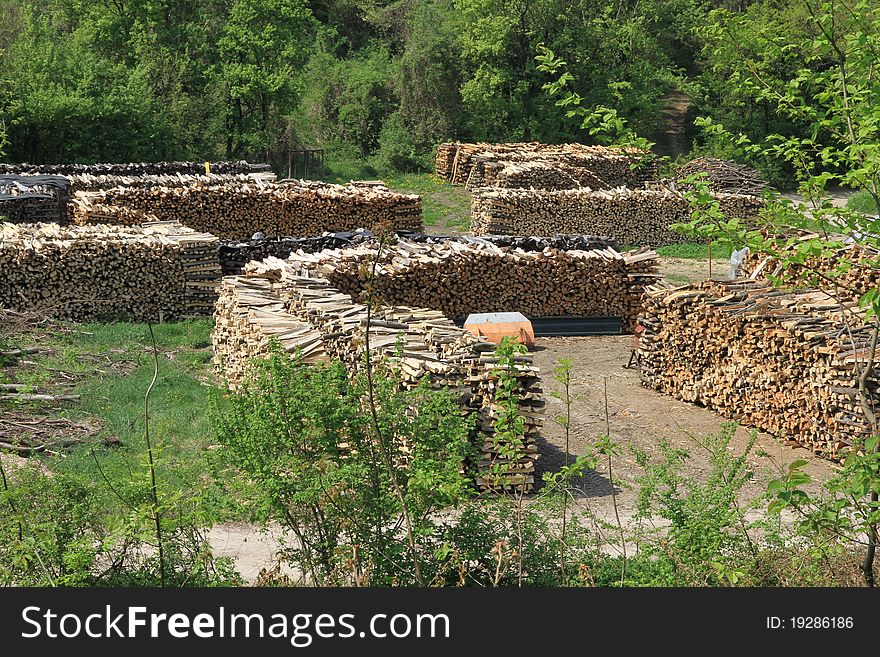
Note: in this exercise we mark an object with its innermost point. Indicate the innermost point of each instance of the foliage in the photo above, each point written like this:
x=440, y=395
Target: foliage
x=800, y=76
x=87, y=519
x=861, y=202
x=68, y=530
x=706, y=524
x=302, y=434
x=844, y=514
x=260, y=53
x=200, y=79
x=601, y=123
x=831, y=90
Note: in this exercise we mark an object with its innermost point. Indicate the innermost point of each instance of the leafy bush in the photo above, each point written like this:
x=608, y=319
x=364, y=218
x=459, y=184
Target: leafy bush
x=861, y=201
x=397, y=149
x=61, y=530
x=343, y=481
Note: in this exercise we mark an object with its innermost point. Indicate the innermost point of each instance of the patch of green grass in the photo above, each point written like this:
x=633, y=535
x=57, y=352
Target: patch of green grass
x=862, y=202
x=113, y=366
x=678, y=279
x=692, y=251
x=443, y=205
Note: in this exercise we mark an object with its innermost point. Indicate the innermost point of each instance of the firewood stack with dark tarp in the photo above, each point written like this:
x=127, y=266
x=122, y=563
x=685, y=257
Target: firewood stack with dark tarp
x=134, y=168
x=458, y=278
x=235, y=254
x=34, y=199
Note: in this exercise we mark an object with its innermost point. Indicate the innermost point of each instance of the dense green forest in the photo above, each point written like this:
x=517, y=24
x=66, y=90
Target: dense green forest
x=381, y=82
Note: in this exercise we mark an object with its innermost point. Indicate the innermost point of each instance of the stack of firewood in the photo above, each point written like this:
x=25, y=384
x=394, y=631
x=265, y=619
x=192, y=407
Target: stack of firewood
x=32, y=199
x=525, y=242
x=133, y=168
x=235, y=254
x=419, y=343
x=533, y=174
x=484, y=164
x=849, y=269
x=90, y=182
x=632, y=216
x=725, y=176
x=249, y=318
x=458, y=279
x=239, y=210
x=783, y=362
x=156, y=272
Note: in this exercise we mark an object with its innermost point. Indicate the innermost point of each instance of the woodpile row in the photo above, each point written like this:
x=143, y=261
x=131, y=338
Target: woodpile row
x=235, y=254
x=33, y=199
x=458, y=279
x=783, y=362
x=249, y=316
x=89, y=182
x=725, y=176
x=488, y=164
x=420, y=342
x=539, y=175
x=132, y=168
x=238, y=211
x=850, y=270
x=524, y=242
x=631, y=216
x=156, y=272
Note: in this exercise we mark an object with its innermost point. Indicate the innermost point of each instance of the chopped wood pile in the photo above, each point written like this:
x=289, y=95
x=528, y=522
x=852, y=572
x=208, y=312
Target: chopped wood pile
x=534, y=174
x=90, y=182
x=132, y=168
x=850, y=271
x=32, y=199
x=458, y=279
x=632, y=216
x=235, y=254
x=783, y=362
x=725, y=176
x=524, y=242
x=535, y=165
x=238, y=211
x=420, y=342
x=249, y=316
x=156, y=272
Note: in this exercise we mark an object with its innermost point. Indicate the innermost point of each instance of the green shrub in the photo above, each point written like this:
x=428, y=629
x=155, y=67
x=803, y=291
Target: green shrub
x=57, y=529
x=318, y=458
x=861, y=201
x=397, y=150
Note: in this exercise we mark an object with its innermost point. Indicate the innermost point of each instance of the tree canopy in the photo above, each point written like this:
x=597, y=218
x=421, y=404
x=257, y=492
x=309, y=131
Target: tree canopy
x=385, y=81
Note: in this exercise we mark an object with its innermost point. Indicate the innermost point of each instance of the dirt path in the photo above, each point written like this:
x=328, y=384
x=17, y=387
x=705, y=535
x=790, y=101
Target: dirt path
x=671, y=139
x=639, y=418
